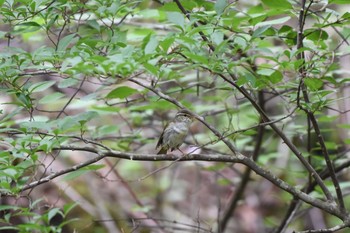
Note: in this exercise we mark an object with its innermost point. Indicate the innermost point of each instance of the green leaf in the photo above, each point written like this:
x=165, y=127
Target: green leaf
x=331, y=145
x=224, y=181
x=151, y=68
x=347, y=141
x=93, y=23
x=274, y=21
x=11, y=114
x=345, y=16
x=344, y=126
x=266, y=72
x=24, y=99
x=42, y=125
x=198, y=58
x=246, y=78
x=53, y=212
x=257, y=18
x=316, y=34
x=151, y=45
x=217, y=37
x=51, y=98
x=313, y=83
x=85, y=116
x=338, y=1
x=176, y=18
x=121, y=92
x=260, y=30
x=10, y=171
x=29, y=24
x=220, y=6
x=166, y=43
x=325, y=118
x=8, y=207
x=52, y=21
x=285, y=30
x=68, y=207
x=278, y=4
x=94, y=167
x=108, y=130
x=276, y=77
x=41, y=86
x=65, y=42
x=68, y=82
x=26, y=27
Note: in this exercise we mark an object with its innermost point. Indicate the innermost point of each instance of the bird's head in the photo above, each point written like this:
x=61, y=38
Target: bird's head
x=184, y=116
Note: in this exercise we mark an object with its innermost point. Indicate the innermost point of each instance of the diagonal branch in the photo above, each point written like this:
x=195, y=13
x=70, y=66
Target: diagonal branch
x=71, y=98
x=265, y=118
x=177, y=103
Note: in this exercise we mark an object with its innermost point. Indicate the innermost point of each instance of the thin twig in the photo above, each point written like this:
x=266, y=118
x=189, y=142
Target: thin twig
x=71, y=98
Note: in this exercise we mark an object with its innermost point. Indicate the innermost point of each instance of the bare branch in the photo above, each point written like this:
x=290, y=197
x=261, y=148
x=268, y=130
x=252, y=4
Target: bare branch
x=237, y=158
x=329, y=230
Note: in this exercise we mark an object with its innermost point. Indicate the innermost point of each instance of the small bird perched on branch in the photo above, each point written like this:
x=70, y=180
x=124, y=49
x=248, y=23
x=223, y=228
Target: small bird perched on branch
x=175, y=132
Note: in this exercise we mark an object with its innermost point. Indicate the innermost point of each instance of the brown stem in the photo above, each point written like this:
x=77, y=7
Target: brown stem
x=311, y=116
x=238, y=158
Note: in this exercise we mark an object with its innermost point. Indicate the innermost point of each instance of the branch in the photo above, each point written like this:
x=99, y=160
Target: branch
x=329, y=230
x=177, y=103
x=295, y=203
x=237, y=158
x=71, y=98
x=311, y=116
x=183, y=10
x=265, y=118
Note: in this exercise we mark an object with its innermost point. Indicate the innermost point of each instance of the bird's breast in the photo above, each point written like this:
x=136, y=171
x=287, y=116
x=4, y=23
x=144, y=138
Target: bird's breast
x=180, y=128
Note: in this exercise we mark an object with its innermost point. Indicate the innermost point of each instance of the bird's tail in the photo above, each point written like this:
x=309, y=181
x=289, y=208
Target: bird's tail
x=162, y=151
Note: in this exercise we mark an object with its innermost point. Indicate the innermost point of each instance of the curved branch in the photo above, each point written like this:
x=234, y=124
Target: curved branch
x=237, y=158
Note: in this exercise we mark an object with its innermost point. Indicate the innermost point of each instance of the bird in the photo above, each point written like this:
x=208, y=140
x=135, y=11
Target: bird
x=175, y=132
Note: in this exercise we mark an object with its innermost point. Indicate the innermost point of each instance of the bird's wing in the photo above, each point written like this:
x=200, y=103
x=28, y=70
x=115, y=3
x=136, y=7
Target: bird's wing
x=160, y=141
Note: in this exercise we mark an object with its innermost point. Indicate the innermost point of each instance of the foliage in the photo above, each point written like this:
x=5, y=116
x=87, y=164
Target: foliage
x=86, y=85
